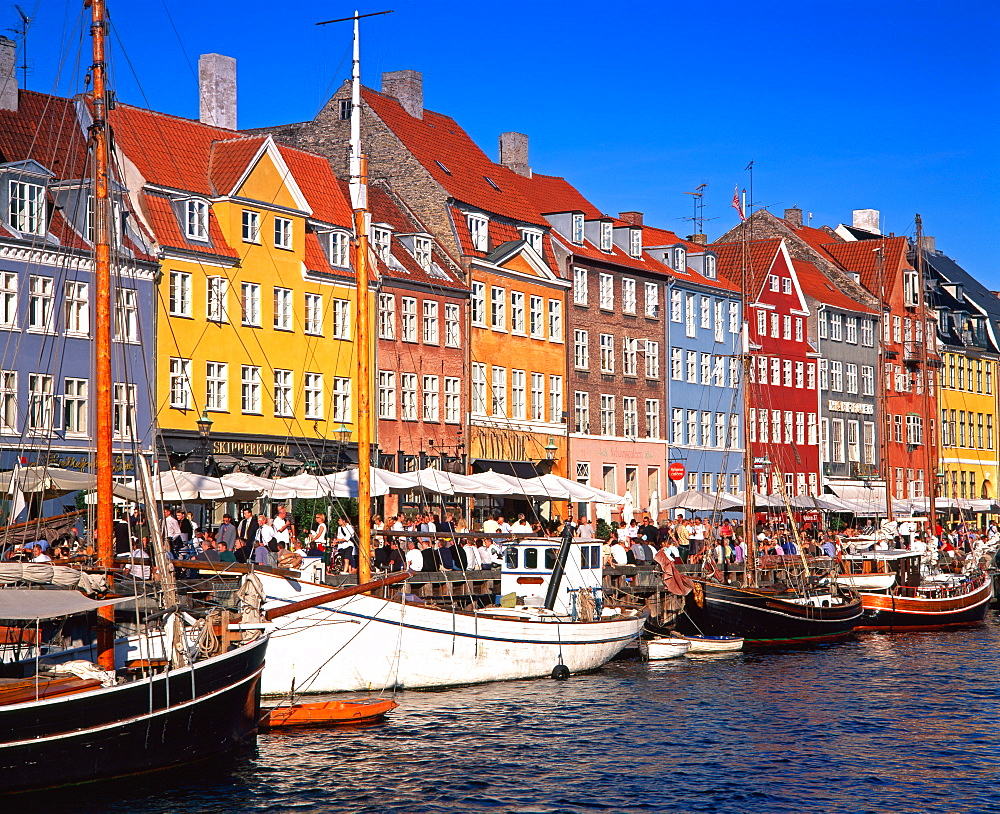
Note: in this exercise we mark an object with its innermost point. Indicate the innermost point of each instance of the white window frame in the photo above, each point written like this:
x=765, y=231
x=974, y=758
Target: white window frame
x=498, y=308
x=282, y=233
x=452, y=325
x=216, y=292
x=555, y=321
x=180, y=383
x=250, y=304
x=628, y=295
x=387, y=394
x=250, y=221
x=581, y=286
x=408, y=396
x=250, y=390
x=581, y=349
x=479, y=231
x=652, y=359
x=75, y=402
x=283, y=308
x=312, y=396
x=312, y=319
x=8, y=299
x=452, y=400
x=431, y=332
x=431, y=399
x=342, y=400
x=606, y=292
x=284, y=395
x=179, y=302
x=196, y=219
x=517, y=312
x=607, y=353
x=26, y=207
x=518, y=395
x=408, y=319
x=77, y=308
x=217, y=387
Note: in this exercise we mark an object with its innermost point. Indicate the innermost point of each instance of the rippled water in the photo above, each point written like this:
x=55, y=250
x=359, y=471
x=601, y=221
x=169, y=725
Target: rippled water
x=901, y=723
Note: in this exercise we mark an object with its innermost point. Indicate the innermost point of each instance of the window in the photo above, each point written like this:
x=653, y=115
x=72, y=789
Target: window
x=518, y=383
x=824, y=325
x=677, y=426
x=250, y=388
x=734, y=372
x=775, y=319
x=180, y=383
x=915, y=430
x=676, y=364
x=798, y=329
x=635, y=242
x=676, y=307
x=250, y=300
x=313, y=396
x=786, y=372
x=386, y=394
x=607, y=415
x=868, y=442
x=719, y=371
x=180, y=294
x=761, y=323
x=652, y=359
x=606, y=236
x=342, y=400
x=251, y=226
x=691, y=417
x=786, y=332
x=123, y=400
x=215, y=299
x=75, y=406
x=216, y=386
x=836, y=376
x=680, y=260
x=536, y=317
x=430, y=322
x=555, y=321
x=479, y=388
x=706, y=429
x=27, y=207
x=314, y=314
x=628, y=296
x=851, y=330
x=282, y=233
x=811, y=375
x=607, y=353
x=408, y=319
x=836, y=326
x=691, y=367
x=851, y=385
x=337, y=249
x=499, y=382
x=652, y=418
x=800, y=428
x=577, y=229
x=762, y=370
x=581, y=412
x=734, y=430
x=386, y=316
x=706, y=312
x=786, y=285
x=897, y=329
x=630, y=417
x=452, y=400
x=422, y=252
x=382, y=242
x=581, y=349
x=8, y=400
x=775, y=372
x=867, y=333
x=606, y=290
x=734, y=317
x=533, y=239
x=799, y=374
x=478, y=302
x=555, y=399
x=837, y=440
x=517, y=312
x=498, y=317
x=773, y=282
x=652, y=301
x=706, y=368
x=630, y=356
x=282, y=309
x=690, y=325
x=196, y=219
x=720, y=429
x=8, y=299
x=346, y=107
x=452, y=325
x=431, y=399
x=719, y=326
x=580, y=286
x=478, y=231
x=283, y=399
x=408, y=396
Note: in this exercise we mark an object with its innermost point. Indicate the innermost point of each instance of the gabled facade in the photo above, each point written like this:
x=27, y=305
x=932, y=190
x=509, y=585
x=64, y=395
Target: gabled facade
x=47, y=291
x=256, y=301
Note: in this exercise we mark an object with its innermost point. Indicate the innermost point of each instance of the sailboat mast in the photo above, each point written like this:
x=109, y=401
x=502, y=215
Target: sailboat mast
x=930, y=442
x=102, y=324
x=359, y=203
x=749, y=516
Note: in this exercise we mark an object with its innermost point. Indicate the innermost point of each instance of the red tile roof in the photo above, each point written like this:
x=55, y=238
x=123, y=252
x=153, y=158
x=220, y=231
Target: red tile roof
x=553, y=194
x=816, y=239
x=327, y=199
x=760, y=258
x=464, y=168
x=228, y=161
x=44, y=128
x=863, y=258
x=816, y=284
x=168, y=231
x=652, y=236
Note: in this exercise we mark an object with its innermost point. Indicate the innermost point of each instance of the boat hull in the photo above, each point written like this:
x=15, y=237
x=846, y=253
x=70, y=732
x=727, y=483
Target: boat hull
x=363, y=643
x=714, y=644
x=191, y=714
x=894, y=613
x=330, y=713
x=661, y=649
x=765, y=620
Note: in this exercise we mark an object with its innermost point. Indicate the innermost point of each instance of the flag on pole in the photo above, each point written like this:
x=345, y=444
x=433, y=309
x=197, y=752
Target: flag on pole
x=736, y=202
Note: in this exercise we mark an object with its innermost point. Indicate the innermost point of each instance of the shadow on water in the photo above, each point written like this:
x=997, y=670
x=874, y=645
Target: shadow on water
x=902, y=723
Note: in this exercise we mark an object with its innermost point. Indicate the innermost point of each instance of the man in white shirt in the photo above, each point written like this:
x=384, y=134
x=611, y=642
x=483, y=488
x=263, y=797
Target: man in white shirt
x=585, y=531
x=39, y=555
x=521, y=526
x=265, y=532
x=171, y=530
x=414, y=559
x=282, y=526
x=491, y=526
x=619, y=554
x=471, y=556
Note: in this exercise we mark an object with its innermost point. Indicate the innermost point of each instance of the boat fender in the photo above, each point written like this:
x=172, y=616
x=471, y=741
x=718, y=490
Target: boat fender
x=560, y=672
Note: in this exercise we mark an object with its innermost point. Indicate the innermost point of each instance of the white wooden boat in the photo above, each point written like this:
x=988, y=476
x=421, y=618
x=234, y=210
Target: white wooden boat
x=713, y=644
x=666, y=648
x=364, y=642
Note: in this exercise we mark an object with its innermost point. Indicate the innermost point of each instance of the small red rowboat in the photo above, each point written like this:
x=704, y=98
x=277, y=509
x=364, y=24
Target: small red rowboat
x=327, y=713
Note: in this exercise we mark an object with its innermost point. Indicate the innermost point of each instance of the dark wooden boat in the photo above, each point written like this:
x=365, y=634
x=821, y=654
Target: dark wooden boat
x=327, y=713
x=929, y=606
x=769, y=618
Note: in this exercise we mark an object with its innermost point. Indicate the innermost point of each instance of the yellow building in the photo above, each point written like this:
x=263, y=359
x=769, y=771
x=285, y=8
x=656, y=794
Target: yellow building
x=256, y=299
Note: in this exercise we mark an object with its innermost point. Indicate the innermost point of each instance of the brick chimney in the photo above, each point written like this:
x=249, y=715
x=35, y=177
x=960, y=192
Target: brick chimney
x=217, y=90
x=701, y=240
x=407, y=88
x=8, y=74
x=635, y=218
x=867, y=219
x=928, y=244
x=794, y=217
x=514, y=153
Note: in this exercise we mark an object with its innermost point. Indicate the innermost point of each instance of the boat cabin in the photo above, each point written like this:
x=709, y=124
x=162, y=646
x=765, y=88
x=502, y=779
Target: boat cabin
x=528, y=565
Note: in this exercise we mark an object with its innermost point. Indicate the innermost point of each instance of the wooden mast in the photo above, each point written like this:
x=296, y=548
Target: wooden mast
x=930, y=442
x=749, y=474
x=102, y=326
x=885, y=319
x=359, y=203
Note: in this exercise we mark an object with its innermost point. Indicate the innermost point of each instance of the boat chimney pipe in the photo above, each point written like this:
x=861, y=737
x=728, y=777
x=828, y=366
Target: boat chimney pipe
x=559, y=568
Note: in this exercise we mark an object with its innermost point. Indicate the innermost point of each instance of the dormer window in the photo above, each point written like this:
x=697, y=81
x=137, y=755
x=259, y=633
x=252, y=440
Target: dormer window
x=381, y=241
x=577, y=236
x=533, y=239
x=478, y=231
x=337, y=249
x=710, y=267
x=911, y=291
x=196, y=219
x=27, y=207
x=680, y=259
x=422, y=252
x=605, y=236
x=635, y=242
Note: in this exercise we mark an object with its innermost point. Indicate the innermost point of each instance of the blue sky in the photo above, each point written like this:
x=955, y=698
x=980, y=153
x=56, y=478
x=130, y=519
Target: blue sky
x=882, y=104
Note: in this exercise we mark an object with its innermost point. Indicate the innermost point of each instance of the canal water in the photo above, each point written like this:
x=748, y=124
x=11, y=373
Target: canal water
x=883, y=723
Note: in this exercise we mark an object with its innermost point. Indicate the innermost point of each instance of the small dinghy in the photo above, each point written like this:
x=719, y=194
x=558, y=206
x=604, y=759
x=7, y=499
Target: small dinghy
x=327, y=713
x=712, y=644
x=666, y=648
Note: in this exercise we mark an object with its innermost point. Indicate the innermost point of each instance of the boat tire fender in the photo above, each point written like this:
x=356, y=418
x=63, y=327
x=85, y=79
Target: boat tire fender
x=560, y=672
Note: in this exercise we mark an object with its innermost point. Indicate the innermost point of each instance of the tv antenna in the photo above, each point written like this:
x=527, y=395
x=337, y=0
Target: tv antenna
x=22, y=32
x=698, y=200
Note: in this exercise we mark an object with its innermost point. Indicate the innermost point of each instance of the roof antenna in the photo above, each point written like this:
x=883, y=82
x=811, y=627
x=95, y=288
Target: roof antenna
x=698, y=199
x=22, y=32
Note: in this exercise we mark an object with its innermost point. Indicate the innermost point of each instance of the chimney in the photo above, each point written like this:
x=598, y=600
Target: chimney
x=635, y=218
x=407, y=88
x=867, y=219
x=928, y=244
x=8, y=74
x=794, y=217
x=217, y=90
x=514, y=153
x=701, y=240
